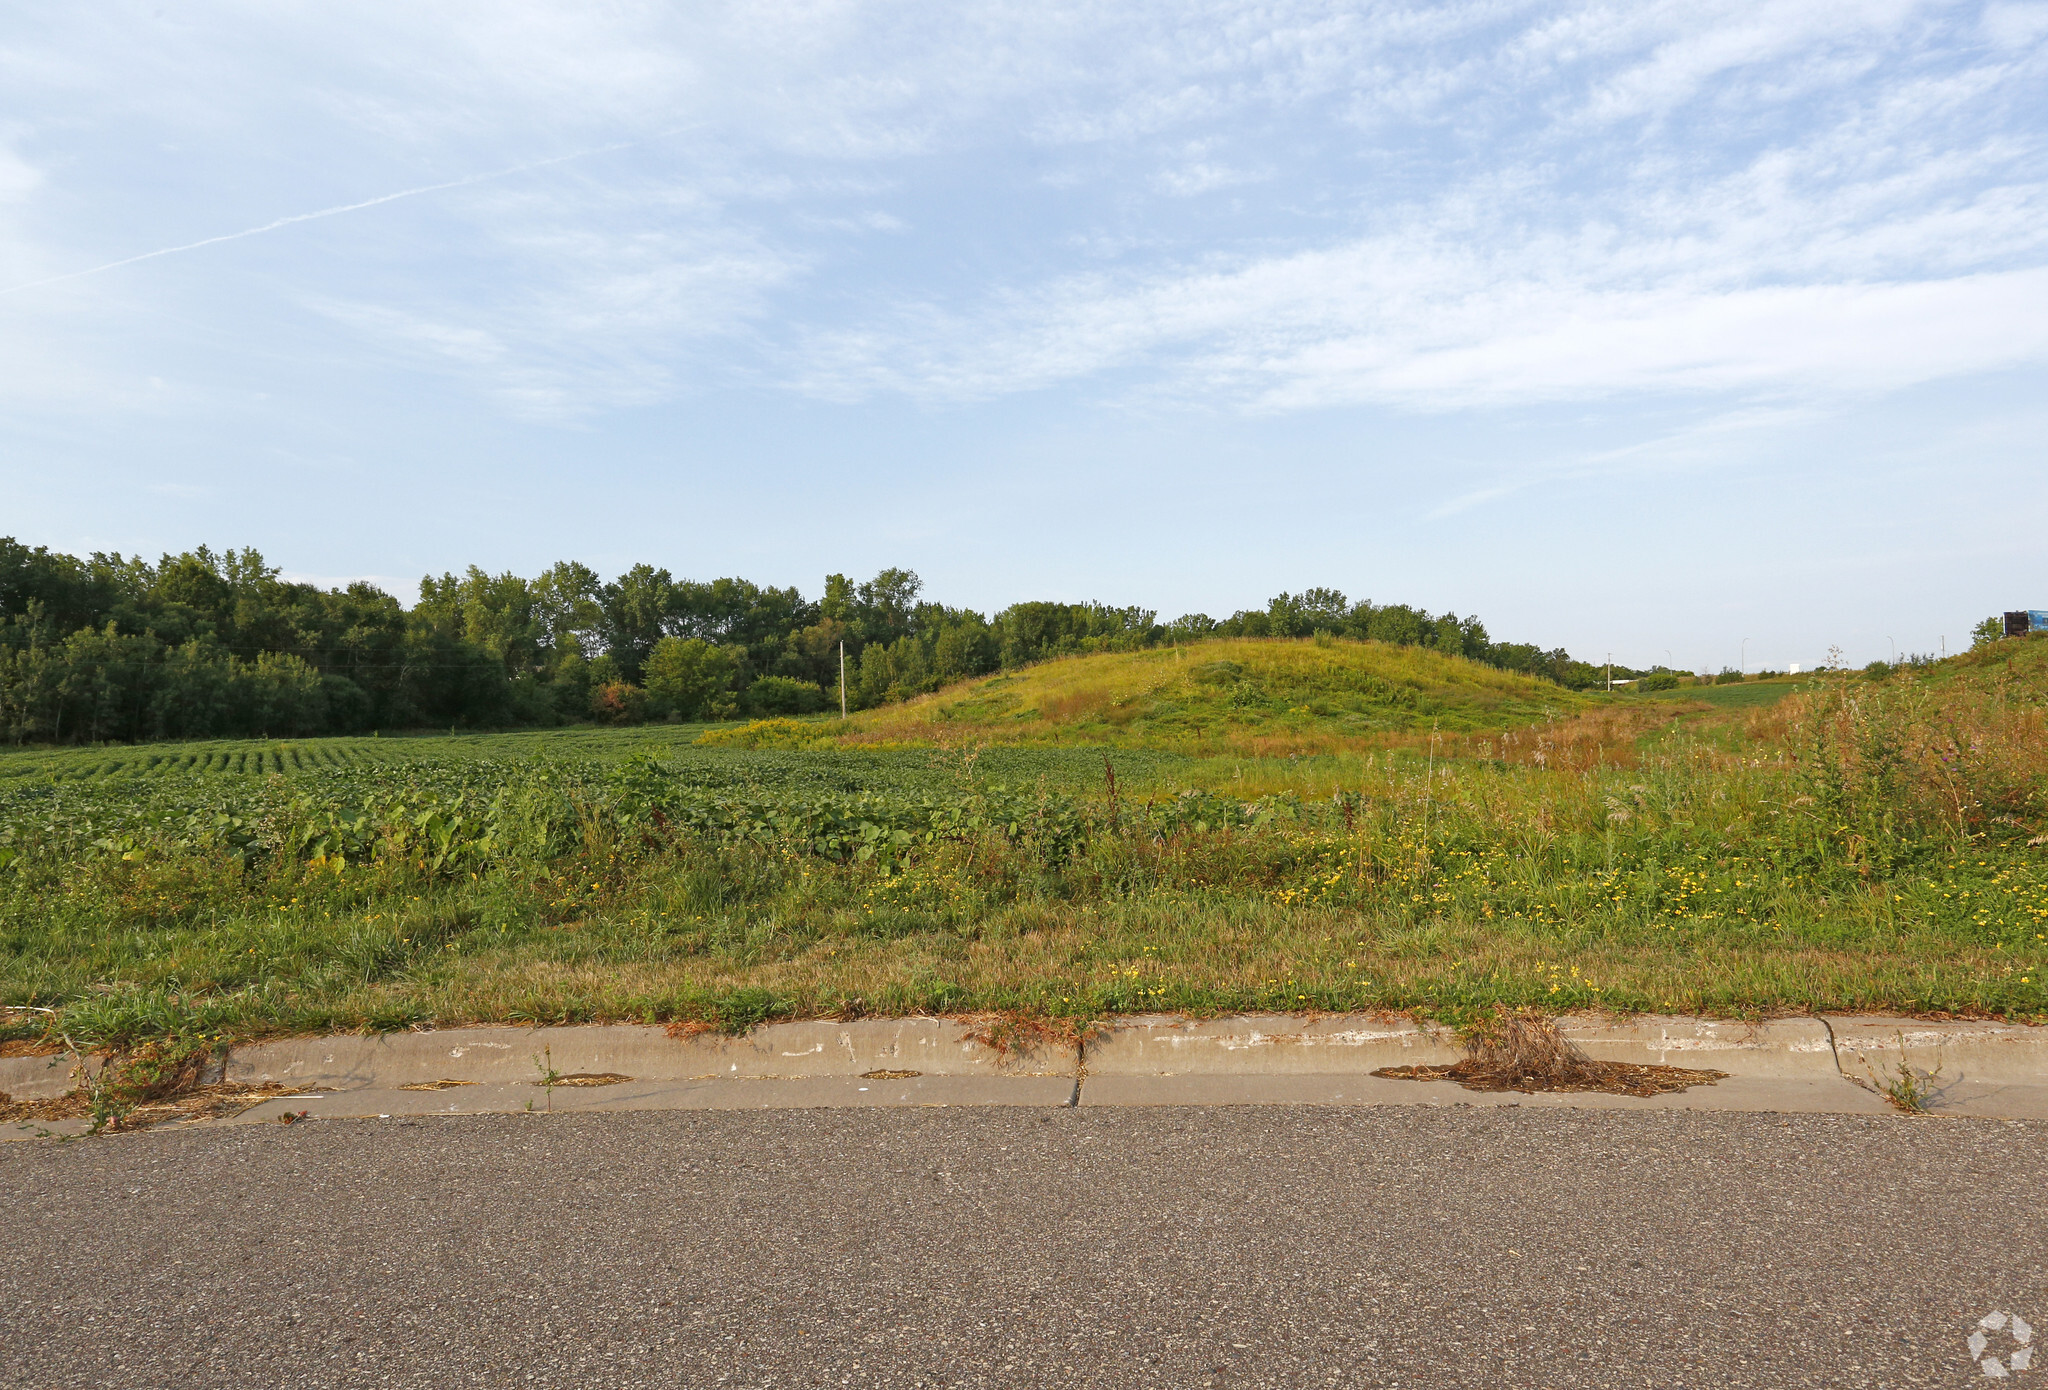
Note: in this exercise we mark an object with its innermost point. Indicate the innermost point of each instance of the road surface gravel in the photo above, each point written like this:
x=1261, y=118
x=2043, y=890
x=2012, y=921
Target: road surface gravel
x=1231, y=1246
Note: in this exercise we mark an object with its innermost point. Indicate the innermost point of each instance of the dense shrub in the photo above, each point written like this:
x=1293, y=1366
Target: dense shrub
x=772, y=695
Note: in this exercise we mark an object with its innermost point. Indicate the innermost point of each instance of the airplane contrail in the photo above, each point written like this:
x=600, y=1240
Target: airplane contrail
x=311, y=216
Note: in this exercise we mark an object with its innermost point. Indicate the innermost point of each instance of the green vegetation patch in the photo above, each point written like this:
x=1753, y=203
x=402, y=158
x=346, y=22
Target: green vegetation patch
x=1864, y=845
x=1747, y=695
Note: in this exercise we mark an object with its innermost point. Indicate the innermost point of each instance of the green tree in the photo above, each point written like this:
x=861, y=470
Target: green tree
x=691, y=678
x=278, y=695
x=496, y=612
x=963, y=648
x=1029, y=632
x=565, y=601
x=840, y=604
x=1312, y=610
x=884, y=604
x=772, y=695
x=636, y=608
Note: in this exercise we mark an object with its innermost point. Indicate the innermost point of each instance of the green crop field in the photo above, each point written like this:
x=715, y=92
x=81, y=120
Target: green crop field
x=262, y=757
x=1121, y=833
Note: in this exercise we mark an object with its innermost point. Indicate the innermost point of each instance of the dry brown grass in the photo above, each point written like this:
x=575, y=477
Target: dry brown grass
x=1073, y=706
x=1967, y=755
x=1522, y=1050
x=218, y=1100
x=1607, y=737
x=1011, y=1033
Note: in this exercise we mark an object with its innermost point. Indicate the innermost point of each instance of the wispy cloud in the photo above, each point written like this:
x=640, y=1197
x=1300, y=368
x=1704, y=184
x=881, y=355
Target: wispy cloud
x=1449, y=205
x=298, y=217
x=1707, y=442
x=1894, y=233
x=589, y=317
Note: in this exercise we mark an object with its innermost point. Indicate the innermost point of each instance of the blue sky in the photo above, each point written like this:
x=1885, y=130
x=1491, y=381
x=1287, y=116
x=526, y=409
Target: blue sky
x=1637, y=328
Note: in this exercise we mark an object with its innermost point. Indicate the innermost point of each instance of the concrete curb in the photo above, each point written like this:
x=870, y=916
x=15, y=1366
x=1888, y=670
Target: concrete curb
x=742, y=1093
x=1967, y=1068
x=1781, y=1049
x=1263, y=1045
x=37, y=1078
x=1784, y=1065
x=1799, y=1065
x=928, y=1046
x=1796, y=1065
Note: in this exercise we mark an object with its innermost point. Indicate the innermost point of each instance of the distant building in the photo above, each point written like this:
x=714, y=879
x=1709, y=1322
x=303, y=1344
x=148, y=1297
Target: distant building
x=1793, y=669
x=2026, y=621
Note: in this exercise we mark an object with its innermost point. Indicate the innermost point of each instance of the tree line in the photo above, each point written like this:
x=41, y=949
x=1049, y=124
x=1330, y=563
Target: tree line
x=205, y=644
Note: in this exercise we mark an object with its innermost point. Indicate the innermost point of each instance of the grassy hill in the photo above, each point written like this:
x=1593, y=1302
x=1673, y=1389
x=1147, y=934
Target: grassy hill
x=1250, y=695
x=2017, y=666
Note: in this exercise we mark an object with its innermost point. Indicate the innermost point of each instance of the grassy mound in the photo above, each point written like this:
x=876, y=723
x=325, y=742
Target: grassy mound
x=2016, y=666
x=1248, y=695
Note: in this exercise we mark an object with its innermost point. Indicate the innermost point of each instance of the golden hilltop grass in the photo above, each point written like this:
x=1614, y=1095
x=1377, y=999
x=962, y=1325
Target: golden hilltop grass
x=1248, y=696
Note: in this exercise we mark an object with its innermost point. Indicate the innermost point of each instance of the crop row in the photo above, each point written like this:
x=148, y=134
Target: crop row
x=235, y=762
x=248, y=757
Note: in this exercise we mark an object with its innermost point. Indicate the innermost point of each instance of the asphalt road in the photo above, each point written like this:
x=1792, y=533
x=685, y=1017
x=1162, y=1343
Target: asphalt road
x=1262, y=1246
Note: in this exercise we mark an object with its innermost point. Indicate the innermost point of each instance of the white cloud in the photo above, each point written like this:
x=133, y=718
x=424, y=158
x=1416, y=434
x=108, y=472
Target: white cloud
x=1717, y=39
x=1894, y=237
x=18, y=177
x=1419, y=317
x=1458, y=204
x=2016, y=25
x=1836, y=339
x=467, y=345
x=585, y=313
x=1197, y=172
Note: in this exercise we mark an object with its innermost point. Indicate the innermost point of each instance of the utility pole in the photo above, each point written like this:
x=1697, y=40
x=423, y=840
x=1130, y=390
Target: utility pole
x=842, y=678
x=1742, y=662
x=1610, y=673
